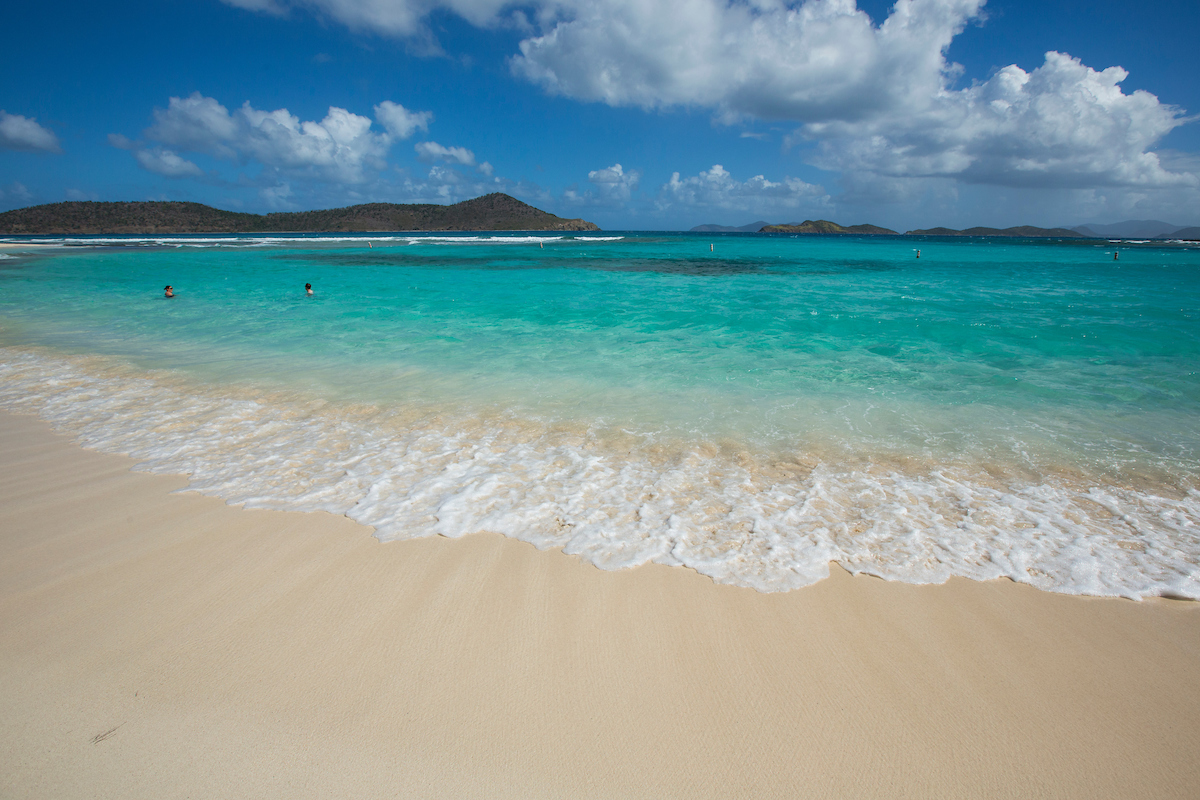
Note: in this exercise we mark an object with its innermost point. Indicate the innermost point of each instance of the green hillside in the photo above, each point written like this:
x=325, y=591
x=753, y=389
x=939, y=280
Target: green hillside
x=493, y=212
x=825, y=226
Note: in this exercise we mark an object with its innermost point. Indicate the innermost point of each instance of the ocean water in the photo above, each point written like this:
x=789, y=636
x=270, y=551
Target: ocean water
x=1028, y=409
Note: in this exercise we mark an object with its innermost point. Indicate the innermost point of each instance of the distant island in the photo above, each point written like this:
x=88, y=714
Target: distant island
x=1139, y=229
x=1020, y=232
x=808, y=226
x=825, y=226
x=753, y=227
x=493, y=212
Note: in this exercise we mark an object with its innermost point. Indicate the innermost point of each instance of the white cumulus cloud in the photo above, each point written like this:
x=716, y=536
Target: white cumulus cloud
x=769, y=58
x=716, y=188
x=339, y=148
x=399, y=121
x=614, y=183
x=341, y=158
x=24, y=133
x=879, y=99
x=612, y=187
x=818, y=60
x=1062, y=125
x=196, y=123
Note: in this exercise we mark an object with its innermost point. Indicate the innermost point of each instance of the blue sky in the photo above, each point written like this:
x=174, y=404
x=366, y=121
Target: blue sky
x=635, y=114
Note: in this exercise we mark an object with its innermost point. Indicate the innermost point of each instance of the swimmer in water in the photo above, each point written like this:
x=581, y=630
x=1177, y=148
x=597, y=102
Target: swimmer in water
x=169, y=291
x=308, y=288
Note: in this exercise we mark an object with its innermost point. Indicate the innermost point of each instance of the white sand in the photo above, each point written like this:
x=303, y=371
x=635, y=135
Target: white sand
x=157, y=645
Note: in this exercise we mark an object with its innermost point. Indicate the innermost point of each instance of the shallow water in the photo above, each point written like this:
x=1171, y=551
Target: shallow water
x=1012, y=408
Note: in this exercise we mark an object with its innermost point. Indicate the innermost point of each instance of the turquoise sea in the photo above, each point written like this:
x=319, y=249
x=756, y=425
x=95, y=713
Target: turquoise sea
x=1018, y=408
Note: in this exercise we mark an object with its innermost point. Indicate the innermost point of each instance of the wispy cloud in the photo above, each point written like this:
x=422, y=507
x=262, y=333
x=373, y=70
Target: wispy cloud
x=24, y=133
x=432, y=151
x=158, y=160
x=15, y=192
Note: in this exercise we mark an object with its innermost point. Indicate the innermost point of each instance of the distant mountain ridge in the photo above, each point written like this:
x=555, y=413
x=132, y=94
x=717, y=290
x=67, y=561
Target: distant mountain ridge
x=1129, y=229
x=493, y=212
x=1019, y=232
x=753, y=227
x=825, y=227
x=1139, y=229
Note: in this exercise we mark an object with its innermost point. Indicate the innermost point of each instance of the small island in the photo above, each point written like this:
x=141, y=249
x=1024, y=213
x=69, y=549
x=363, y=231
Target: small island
x=1018, y=232
x=493, y=212
x=824, y=226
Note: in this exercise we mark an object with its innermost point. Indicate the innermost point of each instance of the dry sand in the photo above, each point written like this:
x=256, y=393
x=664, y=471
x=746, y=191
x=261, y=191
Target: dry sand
x=157, y=645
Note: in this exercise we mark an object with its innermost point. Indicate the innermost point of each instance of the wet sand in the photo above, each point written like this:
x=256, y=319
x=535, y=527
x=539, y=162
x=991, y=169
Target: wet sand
x=159, y=645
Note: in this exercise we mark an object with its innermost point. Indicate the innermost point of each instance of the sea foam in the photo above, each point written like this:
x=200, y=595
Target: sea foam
x=618, y=500
x=263, y=240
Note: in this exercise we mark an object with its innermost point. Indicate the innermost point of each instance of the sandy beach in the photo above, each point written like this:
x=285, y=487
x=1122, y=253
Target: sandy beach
x=160, y=645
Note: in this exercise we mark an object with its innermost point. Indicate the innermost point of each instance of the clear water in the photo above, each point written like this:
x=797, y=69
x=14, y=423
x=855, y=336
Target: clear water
x=994, y=408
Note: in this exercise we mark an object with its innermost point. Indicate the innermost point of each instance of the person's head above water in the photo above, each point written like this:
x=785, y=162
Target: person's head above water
x=308, y=288
x=169, y=291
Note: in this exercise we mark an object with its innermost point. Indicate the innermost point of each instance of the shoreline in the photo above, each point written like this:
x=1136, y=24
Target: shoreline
x=1009, y=527
x=159, y=645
